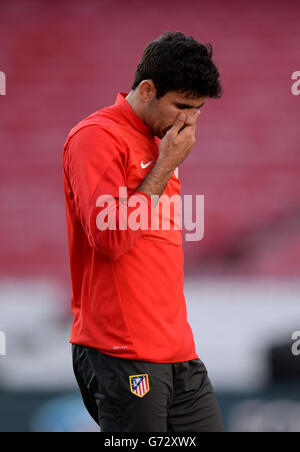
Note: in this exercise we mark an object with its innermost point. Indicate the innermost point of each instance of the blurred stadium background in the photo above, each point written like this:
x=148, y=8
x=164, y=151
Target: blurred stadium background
x=66, y=59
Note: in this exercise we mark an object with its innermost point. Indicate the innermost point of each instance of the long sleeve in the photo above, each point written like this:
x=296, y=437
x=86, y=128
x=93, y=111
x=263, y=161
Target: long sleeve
x=127, y=284
x=95, y=163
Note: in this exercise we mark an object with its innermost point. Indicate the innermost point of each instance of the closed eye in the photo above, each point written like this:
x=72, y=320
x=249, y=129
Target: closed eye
x=183, y=107
x=186, y=106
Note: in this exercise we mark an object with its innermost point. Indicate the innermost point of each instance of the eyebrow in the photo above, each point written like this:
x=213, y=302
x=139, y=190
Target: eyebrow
x=178, y=104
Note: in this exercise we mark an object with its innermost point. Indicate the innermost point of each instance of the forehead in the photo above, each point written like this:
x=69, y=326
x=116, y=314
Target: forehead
x=184, y=98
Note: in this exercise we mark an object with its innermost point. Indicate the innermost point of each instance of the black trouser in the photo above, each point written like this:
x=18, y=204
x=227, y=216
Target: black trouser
x=125, y=395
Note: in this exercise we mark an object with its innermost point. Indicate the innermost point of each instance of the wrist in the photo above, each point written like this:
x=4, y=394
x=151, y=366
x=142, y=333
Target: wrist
x=163, y=168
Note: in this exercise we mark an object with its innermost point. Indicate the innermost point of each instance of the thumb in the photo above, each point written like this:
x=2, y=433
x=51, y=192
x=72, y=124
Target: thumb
x=179, y=122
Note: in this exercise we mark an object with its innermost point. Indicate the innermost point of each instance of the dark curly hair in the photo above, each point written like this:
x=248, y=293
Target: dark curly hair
x=176, y=62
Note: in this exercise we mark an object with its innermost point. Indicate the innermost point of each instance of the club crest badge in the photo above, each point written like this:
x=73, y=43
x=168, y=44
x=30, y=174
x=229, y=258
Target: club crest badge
x=139, y=384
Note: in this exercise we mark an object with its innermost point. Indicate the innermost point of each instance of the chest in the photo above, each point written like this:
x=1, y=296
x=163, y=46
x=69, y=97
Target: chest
x=142, y=153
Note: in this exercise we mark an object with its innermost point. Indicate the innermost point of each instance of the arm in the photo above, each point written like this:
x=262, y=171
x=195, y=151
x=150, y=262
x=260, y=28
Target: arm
x=173, y=149
x=95, y=162
x=92, y=176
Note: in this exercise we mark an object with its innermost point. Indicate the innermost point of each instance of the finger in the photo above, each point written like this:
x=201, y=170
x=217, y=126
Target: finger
x=178, y=123
x=189, y=126
x=188, y=130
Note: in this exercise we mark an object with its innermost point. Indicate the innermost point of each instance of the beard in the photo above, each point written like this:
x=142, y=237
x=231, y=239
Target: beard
x=166, y=130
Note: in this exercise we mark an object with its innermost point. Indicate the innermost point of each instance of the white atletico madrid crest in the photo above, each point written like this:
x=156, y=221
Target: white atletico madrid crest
x=139, y=384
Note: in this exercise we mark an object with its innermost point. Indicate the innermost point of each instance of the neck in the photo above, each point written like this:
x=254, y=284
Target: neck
x=134, y=103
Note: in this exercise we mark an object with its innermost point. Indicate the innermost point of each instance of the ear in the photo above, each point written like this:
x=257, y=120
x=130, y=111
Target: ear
x=147, y=91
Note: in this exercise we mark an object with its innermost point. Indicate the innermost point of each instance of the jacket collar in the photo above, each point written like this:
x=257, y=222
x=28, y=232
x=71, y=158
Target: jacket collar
x=130, y=116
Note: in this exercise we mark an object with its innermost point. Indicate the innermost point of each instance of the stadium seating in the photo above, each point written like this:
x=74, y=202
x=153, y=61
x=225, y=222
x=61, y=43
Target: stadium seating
x=65, y=62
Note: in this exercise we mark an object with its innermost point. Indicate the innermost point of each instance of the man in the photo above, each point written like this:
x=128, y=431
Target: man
x=133, y=349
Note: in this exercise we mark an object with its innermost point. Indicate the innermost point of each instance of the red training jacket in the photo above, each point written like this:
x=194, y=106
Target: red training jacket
x=127, y=285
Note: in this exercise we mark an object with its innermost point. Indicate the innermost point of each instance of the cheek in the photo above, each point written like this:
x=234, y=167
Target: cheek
x=168, y=117
x=172, y=114
x=165, y=117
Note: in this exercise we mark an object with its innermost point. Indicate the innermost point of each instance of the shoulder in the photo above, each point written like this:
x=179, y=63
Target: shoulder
x=100, y=135
x=96, y=132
